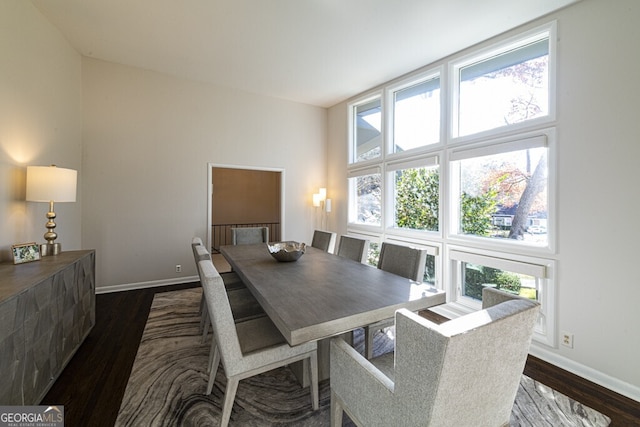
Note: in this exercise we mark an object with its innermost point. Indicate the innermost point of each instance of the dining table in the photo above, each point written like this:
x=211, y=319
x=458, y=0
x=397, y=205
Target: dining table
x=322, y=295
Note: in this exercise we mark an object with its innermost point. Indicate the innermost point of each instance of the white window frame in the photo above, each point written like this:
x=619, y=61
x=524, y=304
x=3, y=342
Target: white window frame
x=352, y=208
x=542, y=268
x=548, y=30
x=431, y=160
x=352, y=128
x=538, y=138
x=390, y=117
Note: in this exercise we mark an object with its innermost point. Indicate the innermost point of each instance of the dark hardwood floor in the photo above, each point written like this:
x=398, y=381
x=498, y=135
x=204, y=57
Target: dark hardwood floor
x=93, y=383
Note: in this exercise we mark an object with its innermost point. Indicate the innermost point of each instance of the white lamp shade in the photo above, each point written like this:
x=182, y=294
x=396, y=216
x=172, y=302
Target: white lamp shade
x=323, y=194
x=316, y=200
x=51, y=183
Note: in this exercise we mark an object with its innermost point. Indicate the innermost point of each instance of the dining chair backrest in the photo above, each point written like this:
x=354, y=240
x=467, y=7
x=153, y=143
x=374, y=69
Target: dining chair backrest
x=195, y=242
x=490, y=382
x=353, y=248
x=249, y=235
x=200, y=253
x=324, y=240
x=403, y=260
x=219, y=309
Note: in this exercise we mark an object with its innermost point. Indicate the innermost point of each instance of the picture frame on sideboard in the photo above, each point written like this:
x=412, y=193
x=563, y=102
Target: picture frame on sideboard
x=25, y=252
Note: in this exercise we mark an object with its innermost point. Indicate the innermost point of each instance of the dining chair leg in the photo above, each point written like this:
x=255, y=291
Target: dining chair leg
x=203, y=303
x=205, y=328
x=229, y=397
x=313, y=373
x=336, y=411
x=214, y=361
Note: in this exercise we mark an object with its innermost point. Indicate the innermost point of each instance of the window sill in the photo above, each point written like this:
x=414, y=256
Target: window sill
x=451, y=310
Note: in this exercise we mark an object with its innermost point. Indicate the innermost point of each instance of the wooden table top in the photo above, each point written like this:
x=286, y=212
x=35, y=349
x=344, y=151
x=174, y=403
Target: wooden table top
x=322, y=294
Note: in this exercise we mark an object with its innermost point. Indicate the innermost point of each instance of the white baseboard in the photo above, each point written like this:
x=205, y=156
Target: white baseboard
x=144, y=285
x=614, y=384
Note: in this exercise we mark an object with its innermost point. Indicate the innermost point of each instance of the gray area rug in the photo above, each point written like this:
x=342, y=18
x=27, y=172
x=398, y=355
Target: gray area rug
x=169, y=378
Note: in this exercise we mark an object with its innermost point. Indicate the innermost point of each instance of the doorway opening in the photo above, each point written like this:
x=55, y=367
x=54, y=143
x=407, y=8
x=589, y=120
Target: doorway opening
x=243, y=197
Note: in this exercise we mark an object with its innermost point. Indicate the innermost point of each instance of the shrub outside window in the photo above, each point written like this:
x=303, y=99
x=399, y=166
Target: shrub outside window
x=473, y=271
x=416, y=194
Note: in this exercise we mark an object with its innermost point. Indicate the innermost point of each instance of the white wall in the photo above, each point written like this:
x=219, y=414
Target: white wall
x=598, y=150
x=40, y=122
x=147, y=140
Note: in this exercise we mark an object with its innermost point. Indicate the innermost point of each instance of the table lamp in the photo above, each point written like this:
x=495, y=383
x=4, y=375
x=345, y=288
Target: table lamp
x=51, y=184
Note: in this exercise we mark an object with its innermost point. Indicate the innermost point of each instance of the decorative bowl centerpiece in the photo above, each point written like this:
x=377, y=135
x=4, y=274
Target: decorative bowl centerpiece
x=287, y=251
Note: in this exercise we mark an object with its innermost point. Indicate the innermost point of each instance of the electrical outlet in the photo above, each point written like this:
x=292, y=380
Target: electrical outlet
x=567, y=339
x=178, y=268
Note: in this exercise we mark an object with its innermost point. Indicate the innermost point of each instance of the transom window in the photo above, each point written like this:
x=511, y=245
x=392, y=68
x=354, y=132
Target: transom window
x=502, y=87
x=416, y=115
x=367, y=130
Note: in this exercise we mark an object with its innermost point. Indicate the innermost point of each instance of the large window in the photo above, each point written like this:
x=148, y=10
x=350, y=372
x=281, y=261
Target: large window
x=415, y=188
x=500, y=191
x=477, y=184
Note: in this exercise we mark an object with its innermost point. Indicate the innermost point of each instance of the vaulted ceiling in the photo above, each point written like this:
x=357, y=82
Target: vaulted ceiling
x=317, y=52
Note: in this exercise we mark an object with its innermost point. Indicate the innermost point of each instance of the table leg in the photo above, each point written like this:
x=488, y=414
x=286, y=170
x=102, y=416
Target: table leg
x=301, y=369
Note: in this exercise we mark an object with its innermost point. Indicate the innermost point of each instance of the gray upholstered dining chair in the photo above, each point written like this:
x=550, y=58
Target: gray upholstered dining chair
x=249, y=235
x=247, y=348
x=353, y=248
x=244, y=306
x=324, y=240
x=404, y=261
x=464, y=372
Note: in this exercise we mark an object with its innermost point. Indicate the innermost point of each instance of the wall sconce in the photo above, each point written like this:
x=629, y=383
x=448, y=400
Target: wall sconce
x=320, y=200
x=51, y=184
x=316, y=200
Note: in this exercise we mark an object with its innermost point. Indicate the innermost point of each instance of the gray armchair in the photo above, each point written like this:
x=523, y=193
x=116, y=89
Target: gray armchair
x=325, y=240
x=464, y=372
x=247, y=348
x=404, y=261
x=249, y=235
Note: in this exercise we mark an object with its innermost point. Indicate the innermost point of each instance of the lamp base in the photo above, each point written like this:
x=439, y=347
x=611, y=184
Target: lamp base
x=47, y=249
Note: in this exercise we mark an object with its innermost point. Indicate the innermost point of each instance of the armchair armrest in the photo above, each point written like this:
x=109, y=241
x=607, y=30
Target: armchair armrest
x=358, y=381
x=347, y=359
